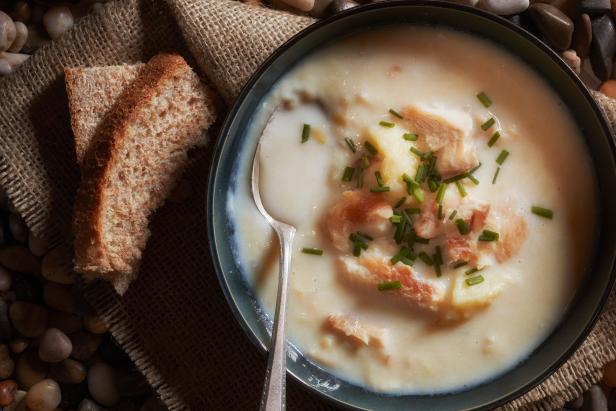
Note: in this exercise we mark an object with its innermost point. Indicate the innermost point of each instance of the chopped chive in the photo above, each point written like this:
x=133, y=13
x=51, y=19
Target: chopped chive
x=389, y=285
x=407, y=261
x=399, y=233
x=543, y=212
x=365, y=162
x=348, y=174
x=459, y=264
x=371, y=149
x=379, y=179
x=488, y=235
x=474, y=280
x=425, y=258
x=502, y=157
x=417, y=152
x=484, y=99
x=404, y=252
x=438, y=256
x=357, y=249
x=407, y=217
x=313, y=251
x=351, y=144
x=418, y=195
x=395, y=219
x=493, y=139
x=413, y=210
x=461, y=189
x=360, y=237
x=472, y=270
x=395, y=113
x=365, y=236
x=409, y=137
x=441, y=193
x=485, y=126
x=432, y=185
x=473, y=179
x=407, y=178
x=453, y=214
x=386, y=124
x=382, y=189
x=495, y=175
x=472, y=170
x=305, y=132
x=462, y=226
x=400, y=202
x=360, y=177
x=440, y=212
x=432, y=165
x=421, y=173
x=437, y=269
x=421, y=240
x=455, y=178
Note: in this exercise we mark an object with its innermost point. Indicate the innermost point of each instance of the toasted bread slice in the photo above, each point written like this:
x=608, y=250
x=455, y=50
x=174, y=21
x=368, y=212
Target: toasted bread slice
x=131, y=158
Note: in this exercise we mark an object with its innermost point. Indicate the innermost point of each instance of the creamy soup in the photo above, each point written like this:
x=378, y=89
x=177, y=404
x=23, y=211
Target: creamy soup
x=449, y=193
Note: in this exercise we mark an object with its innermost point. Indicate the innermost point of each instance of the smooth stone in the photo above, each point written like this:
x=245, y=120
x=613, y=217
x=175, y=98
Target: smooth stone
x=19, y=344
x=596, y=6
x=84, y=345
x=58, y=266
x=603, y=46
x=7, y=31
x=7, y=365
x=55, y=346
x=57, y=20
x=30, y=369
x=58, y=297
x=320, y=8
x=554, y=25
x=43, y=396
x=582, y=35
x=27, y=288
x=341, y=5
x=609, y=89
x=102, y=385
x=17, y=226
x=5, y=279
x=29, y=319
x=112, y=353
x=303, y=5
x=153, y=404
x=570, y=7
x=68, y=371
x=594, y=399
x=8, y=388
x=132, y=383
x=37, y=245
x=6, y=332
x=575, y=403
x=72, y=395
x=609, y=372
x=18, y=258
x=89, y=405
x=94, y=324
x=68, y=323
x=21, y=11
x=18, y=402
x=571, y=58
x=504, y=7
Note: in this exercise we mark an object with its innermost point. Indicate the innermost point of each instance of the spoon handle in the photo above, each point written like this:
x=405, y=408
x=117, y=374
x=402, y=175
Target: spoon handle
x=273, y=398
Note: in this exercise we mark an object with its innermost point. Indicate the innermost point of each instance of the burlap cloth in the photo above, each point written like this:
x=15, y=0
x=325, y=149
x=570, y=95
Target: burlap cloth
x=174, y=321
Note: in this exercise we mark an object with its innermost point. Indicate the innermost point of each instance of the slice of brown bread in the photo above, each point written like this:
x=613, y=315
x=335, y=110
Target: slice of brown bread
x=92, y=91
x=131, y=158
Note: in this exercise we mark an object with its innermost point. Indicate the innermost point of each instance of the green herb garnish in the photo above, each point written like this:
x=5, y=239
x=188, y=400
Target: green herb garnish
x=502, y=157
x=417, y=153
x=382, y=189
x=389, y=285
x=493, y=139
x=462, y=226
x=400, y=202
x=472, y=270
x=441, y=193
x=485, y=126
x=474, y=280
x=484, y=99
x=461, y=189
x=421, y=173
x=453, y=214
x=360, y=177
x=542, y=212
x=409, y=137
x=395, y=113
x=440, y=212
x=386, y=124
x=425, y=258
x=351, y=144
x=413, y=210
x=371, y=149
x=395, y=219
x=313, y=251
x=488, y=235
x=305, y=133
x=348, y=174
x=495, y=175
x=379, y=179
x=459, y=264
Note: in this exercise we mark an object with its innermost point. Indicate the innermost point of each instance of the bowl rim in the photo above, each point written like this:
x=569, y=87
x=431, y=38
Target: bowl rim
x=318, y=25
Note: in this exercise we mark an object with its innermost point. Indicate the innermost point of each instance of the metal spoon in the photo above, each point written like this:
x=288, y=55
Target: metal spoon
x=273, y=398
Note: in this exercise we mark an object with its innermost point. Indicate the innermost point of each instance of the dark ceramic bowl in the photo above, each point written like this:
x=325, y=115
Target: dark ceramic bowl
x=591, y=295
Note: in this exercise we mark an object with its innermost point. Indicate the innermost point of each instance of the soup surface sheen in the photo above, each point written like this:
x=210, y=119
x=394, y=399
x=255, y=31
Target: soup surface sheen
x=400, y=326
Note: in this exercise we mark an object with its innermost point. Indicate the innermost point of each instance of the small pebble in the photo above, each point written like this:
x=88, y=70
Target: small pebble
x=55, y=346
x=17, y=226
x=18, y=258
x=603, y=46
x=5, y=279
x=609, y=372
x=14, y=59
x=609, y=88
x=68, y=323
x=571, y=58
x=7, y=392
x=68, y=371
x=29, y=319
x=554, y=25
x=131, y=383
x=341, y=5
x=58, y=297
x=94, y=324
x=84, y=345
x=18, y=402
x=7, y=31
x=37, y=245
x=576, y=403
x=6, y=332
x=20, y=40
x=19, y=344
x=21, y=12
x=43, y=396
x=58, y=266
x=303, y=5
x=89, y=405
x=582, y=35
x=101, y=384
x=30, y=369
x=594, y=399
x=595, y=6
x=504, y=7
x=570, y=7
x=5, y=70
x=7, y=365
x=27, y=287
x=57, y=20
x=72, y=394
